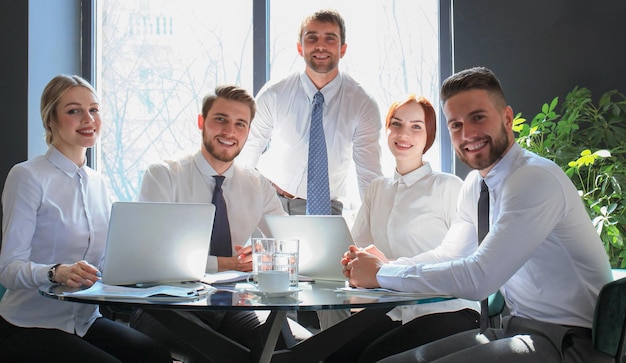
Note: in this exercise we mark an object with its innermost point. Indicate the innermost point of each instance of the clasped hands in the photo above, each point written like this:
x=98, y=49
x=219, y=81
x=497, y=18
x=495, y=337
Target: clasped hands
x=242, y=261
x=360, y=265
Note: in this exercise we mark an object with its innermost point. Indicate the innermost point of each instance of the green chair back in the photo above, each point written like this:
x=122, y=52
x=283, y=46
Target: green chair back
x=496, y=304
x=609, y=322
x=2, y=290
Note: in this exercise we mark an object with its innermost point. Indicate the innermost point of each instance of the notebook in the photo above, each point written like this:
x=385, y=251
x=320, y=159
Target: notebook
x=323, y=241
x=152, y=243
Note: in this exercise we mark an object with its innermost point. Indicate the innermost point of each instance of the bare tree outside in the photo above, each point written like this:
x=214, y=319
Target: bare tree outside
x=158, y=58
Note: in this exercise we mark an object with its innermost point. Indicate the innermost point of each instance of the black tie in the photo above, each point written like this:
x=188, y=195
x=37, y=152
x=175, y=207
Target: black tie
x=220, y=238
x=483, y=229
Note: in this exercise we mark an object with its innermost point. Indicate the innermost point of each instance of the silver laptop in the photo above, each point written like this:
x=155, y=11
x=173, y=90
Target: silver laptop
x=157, y=242
x=323, y=241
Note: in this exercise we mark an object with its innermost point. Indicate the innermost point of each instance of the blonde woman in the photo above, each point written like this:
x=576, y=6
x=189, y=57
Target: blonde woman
x=55, y=219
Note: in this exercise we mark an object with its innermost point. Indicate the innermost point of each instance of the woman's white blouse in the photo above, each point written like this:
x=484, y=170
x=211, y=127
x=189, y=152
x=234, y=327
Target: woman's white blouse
x=407, y=215
x=53, y=212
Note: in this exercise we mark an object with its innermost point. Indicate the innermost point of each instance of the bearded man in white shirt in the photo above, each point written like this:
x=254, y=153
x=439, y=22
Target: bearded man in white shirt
x=541, y=251
x=225, y=124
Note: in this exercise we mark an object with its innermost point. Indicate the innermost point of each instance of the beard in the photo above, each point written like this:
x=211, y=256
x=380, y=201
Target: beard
x=498, y=147
x=224, y=156
x=325, y=68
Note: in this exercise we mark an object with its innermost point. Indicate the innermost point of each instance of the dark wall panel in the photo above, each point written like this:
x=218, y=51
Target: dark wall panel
x=541, y=49
x=13, y=85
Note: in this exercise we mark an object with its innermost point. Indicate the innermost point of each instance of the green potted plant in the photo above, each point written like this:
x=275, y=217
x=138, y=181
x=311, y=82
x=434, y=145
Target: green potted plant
x=588, y=141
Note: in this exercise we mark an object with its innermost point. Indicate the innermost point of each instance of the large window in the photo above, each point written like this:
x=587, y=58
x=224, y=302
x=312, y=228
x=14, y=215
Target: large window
x=158, y=58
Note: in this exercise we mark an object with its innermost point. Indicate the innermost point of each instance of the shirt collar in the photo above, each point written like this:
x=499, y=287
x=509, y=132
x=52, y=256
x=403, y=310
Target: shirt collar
x=206, y=169
x=503, y=167
x=329, y=91
x=414, y=176
x=62, y=162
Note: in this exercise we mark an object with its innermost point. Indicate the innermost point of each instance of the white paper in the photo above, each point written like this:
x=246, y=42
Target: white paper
x=225, y=277
x=103, y=290
x=381, y=291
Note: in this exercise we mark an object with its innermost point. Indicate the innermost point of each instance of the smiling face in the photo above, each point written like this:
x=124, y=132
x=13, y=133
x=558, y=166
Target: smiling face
x=76, y=123
x=224, y=132
x=406, y=136
x=480, y=131
x=321, y=48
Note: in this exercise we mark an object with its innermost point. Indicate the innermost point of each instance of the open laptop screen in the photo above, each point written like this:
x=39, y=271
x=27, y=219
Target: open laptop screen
x=323, y=241
x=157, y=242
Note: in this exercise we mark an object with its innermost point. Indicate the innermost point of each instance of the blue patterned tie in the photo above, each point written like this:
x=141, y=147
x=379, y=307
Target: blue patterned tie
x=220, y=238
x=318, y=192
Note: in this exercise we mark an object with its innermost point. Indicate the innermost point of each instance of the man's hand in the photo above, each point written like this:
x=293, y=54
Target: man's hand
x=361, y=267
x=241, y=262
x=376, y=252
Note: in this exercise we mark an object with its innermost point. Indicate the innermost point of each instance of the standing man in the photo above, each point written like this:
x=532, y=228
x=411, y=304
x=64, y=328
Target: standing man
x=294, y=112
x=539, y=247
x=244, y=198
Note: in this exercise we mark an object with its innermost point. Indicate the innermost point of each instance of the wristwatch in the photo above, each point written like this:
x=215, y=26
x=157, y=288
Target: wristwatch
x=52, y=273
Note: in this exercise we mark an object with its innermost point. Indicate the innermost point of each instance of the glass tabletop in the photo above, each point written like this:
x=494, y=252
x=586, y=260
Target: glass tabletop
x=320, y=295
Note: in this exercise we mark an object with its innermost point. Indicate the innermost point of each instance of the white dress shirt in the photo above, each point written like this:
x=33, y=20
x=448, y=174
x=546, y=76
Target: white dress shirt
x=541, y=251
x=248, y=194
x=352, y=126
x=408, y=215
x=53, y=212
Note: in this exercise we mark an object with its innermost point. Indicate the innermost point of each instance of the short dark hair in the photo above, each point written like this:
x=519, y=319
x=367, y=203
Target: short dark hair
x=473, y=78
x=229, y=92
x=326, y=16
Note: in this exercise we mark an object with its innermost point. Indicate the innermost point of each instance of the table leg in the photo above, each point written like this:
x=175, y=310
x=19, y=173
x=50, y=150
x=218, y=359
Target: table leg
x=213, y=345
x=326, y=342
x=273, y=326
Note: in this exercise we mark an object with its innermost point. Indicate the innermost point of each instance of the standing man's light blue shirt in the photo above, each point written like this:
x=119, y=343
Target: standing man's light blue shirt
x=279, y=134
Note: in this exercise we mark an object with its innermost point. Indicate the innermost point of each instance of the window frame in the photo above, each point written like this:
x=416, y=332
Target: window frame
x=261, y=66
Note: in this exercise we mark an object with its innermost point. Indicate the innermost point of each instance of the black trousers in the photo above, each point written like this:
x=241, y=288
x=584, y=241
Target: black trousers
x=520, y=341
x=244, y=327
x=385, y=337
x=106, y=341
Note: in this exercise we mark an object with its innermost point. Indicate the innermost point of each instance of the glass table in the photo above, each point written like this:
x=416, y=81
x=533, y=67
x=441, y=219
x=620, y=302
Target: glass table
x=320, y=295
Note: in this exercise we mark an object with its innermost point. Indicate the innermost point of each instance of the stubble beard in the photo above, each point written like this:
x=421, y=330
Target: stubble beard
x=326, y=68
x=497, y=149
x=223, y=156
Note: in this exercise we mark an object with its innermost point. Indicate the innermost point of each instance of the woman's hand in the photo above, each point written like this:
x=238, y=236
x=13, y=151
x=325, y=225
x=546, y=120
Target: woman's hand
x=81, y=273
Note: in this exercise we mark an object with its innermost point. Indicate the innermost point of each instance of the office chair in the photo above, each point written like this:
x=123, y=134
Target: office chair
x=609, y=321
x=496, y=308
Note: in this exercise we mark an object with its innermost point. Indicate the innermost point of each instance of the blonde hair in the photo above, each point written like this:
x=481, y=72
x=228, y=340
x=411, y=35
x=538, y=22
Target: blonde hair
x=430, y=118
x=51, y=95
